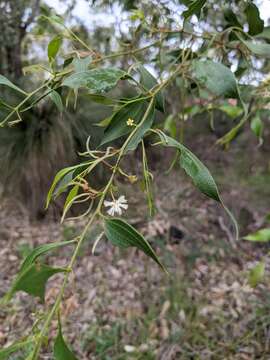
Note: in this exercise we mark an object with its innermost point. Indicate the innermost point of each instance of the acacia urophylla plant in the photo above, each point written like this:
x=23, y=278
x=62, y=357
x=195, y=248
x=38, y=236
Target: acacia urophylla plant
x=132, y=120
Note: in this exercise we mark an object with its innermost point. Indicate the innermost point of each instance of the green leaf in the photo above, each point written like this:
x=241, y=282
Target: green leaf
x=262, y=235
x=265, y=34
x=118, y=124
x=258, y=49
x=96, y=80
x=216, y=77
x=56, y=98
x=170, y=125
x=69, y=200
x=256, y=126
x=194, y=9
x=29, y=261
x=148, y=82
x=33, y=280
x=231, y=18
x=101, y=99
x=194, y=168
x=124, y=235
x=57, y=178
x=54, y=47
x=60, y=348
x=81, y=64
x=199, y=173
x=54, y=19
x=6, y=82
x=30, y=69
x=6, y=352
x=141, y=130
x=40, y=250
x=256, y=274
x=255, y=23
x=231, y=111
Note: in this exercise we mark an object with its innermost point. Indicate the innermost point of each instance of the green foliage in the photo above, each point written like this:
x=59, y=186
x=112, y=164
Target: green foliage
x=33, y=280
x=60, y=349
x=56, y=98
x=255, y=23
x=118, y=126
x=121, y=234
x=41, y=250
x=54, y=47
x=258, y=49
x=148, y=81
x=257, y=126
x=130, y=119
x=194, y=168
x=4, y=81
x=195, y=7
x=95, y=80
x=216, y=77
x=262, y=235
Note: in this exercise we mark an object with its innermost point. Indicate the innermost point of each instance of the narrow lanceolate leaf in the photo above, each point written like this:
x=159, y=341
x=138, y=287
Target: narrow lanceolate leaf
x=95, y=80
x=256, y=274
x=118, y=124
x=54, y=19
x=29, y=262
x=262, y=235
x=199, y=173
x=60, y=349
x=141, y=130
x=56, y=180
x=216, y=77
x=56, y=98
x=255, y=23
x=69, y=200
x=101, y=99
x=194, y=168
x=259, y=49
x=148, y=81
x=6, y=82
x=54, y=47
x=41, y=250
x=9, y=350
x=265, y=34
x=33, y=280
x=121, y=234
x=194, y=9
x=62, y=179
x=256, y=126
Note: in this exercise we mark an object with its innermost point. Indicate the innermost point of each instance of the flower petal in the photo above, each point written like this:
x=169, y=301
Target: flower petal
x=123, y=206
x=108, y=203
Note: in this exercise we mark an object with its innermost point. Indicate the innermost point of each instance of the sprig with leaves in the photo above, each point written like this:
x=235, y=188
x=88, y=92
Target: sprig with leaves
x=131, y=121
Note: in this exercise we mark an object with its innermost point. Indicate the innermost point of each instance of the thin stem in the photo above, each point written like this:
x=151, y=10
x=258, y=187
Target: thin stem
x=16, y=109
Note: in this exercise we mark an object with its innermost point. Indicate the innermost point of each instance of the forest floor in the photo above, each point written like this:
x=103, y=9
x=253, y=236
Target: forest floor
x=120, y=306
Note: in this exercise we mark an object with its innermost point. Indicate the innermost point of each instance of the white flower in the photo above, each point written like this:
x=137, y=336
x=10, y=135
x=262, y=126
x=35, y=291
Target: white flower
x=116, y=206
